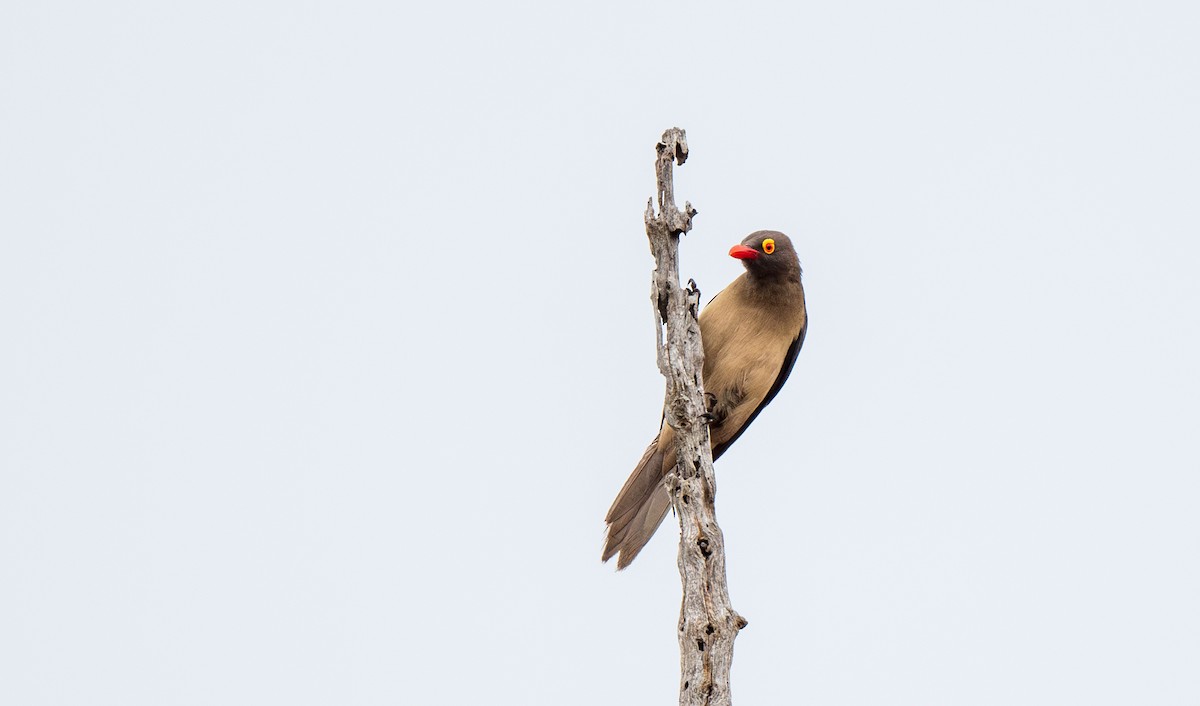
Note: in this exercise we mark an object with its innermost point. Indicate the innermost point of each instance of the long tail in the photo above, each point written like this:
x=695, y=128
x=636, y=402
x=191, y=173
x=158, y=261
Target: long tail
x=639, y=508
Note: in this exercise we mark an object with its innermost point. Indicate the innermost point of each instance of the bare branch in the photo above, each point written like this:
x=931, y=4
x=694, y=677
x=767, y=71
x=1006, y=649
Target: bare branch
x=707, y=622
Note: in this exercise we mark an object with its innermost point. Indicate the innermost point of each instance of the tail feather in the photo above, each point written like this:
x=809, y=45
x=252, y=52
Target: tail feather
x=643, y=526
x=640, y=506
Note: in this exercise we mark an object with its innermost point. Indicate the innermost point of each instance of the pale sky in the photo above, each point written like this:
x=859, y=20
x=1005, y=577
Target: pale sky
x=328, y=344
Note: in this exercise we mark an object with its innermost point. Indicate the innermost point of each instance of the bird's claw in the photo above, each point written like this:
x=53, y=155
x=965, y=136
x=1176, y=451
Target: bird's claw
x=711, y=415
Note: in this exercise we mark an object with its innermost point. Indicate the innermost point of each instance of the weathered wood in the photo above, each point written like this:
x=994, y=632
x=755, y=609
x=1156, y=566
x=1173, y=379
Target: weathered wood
x=707, y=622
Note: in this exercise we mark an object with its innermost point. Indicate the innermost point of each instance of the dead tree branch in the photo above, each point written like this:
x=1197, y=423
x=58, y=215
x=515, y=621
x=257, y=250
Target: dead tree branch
x=707, y=622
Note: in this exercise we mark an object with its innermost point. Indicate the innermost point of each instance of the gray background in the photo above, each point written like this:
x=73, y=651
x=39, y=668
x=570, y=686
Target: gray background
x=327, y=345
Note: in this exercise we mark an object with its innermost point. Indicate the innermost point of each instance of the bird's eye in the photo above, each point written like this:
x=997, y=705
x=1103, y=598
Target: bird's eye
x=768, y=246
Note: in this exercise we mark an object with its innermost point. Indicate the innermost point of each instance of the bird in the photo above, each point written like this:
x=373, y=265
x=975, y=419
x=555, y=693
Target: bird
x=752, y=332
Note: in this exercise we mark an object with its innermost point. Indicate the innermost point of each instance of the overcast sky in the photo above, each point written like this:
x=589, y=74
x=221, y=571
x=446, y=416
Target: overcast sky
x=327, y=344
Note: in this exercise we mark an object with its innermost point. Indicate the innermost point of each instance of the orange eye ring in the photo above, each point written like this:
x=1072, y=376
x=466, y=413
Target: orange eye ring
x=768, y=245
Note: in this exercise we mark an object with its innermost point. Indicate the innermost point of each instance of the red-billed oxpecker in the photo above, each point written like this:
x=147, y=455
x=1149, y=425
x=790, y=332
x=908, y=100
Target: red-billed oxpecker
x=752, y=331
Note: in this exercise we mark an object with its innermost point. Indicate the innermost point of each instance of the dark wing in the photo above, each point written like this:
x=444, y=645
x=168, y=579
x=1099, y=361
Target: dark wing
x=789, y=360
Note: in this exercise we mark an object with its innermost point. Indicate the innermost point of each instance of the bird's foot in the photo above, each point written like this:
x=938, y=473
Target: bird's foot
x=712, y=413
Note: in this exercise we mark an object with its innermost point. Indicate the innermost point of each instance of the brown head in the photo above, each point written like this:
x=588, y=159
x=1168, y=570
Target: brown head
x=768, y=255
